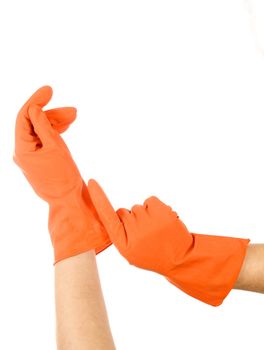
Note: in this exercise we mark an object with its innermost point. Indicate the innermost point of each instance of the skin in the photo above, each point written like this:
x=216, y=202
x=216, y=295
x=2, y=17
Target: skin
x=81, y=316
x=251, y=277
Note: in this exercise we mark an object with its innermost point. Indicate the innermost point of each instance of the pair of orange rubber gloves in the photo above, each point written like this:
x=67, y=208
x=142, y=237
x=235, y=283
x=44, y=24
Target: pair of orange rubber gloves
x=150, y=236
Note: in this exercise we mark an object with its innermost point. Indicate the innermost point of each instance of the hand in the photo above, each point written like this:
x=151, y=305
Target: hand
x=151, y=236
x=46, y=162
x=154, y=238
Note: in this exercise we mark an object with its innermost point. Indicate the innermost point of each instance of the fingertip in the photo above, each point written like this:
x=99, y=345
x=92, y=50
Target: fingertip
x=151, y=200
x=123, y=213
x=92, y=182
x=72, y=112
x=46, y=89
x=95, y=189
x=42, y=96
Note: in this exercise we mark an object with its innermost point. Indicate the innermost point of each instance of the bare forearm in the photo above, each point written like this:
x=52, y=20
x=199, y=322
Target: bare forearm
x=251, y=276
x=82, y=321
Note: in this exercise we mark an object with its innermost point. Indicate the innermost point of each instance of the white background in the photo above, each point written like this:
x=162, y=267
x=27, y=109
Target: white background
x=170, y=103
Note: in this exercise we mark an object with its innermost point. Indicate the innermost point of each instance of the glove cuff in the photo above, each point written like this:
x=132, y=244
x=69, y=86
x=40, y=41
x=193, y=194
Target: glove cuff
x=73, y=227
x=211, y=268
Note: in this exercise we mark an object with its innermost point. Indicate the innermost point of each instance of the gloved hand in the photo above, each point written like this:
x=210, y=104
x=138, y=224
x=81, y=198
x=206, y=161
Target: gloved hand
x=47, y=164
x=154, y=238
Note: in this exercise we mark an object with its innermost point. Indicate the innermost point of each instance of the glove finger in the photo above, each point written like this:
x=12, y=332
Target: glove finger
x=61, y=118
x=138, y=211
x=42, y=126
x=25, y=137
x=130, y=221
x=41, y=97
x=107, y=215
x=123, y=213
x=156, y=207
x=153, y=202
x=133, y=221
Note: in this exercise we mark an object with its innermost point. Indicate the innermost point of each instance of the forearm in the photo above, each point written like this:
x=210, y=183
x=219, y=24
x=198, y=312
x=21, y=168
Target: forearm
x=251, y=277
x=81, y=315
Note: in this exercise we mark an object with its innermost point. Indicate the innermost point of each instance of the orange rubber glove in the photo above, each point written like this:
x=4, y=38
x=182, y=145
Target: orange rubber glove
x=47, y=164
x=153, y=237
